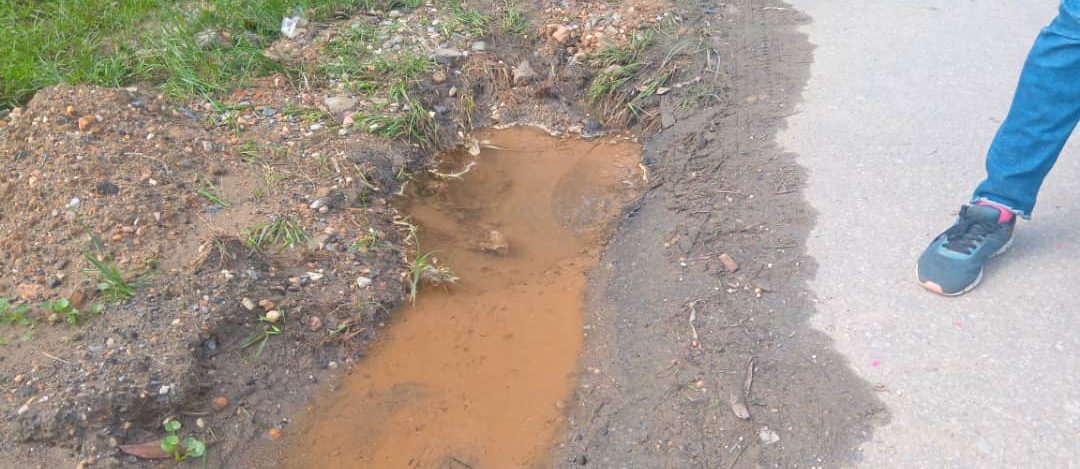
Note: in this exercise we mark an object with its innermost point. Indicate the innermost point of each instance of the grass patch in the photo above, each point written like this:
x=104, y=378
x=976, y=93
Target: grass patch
x=190, y=48
x=284, y=232
x=513, y=21
x=14, y=314
x=269, y=327
x=112, y=281
x=211, y=192
x=464, y=20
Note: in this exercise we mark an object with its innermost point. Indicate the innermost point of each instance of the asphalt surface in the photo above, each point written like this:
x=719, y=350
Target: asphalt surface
x=903, y=100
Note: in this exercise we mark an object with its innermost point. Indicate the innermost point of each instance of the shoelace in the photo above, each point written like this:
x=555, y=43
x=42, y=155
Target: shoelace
x=967, y=234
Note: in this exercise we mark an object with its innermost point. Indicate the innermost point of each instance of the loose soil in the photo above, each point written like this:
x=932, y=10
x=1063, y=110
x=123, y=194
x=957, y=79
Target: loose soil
x=477, y=373
x=676, y=336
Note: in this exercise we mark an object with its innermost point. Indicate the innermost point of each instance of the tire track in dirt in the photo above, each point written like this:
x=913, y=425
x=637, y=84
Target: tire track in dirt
x=671, y=329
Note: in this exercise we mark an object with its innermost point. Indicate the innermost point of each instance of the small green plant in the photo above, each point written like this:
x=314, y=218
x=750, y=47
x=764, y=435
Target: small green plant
x=181, y=449
x=513, y=21
x=283, y=231
x=366, y=242
x=466, y=21
x=62, y=307
x=14, y=314
x=426, y=268
x=610, y=80
x=211, y=192
x=632, y=51
x=112, y=284
x=267, y=329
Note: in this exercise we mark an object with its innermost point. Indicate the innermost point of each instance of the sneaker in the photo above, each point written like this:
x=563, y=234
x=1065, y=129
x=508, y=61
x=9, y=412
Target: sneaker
x=953, y=263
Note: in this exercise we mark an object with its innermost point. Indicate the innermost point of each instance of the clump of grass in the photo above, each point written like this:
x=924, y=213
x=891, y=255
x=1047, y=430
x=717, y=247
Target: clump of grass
x=466, y=21
x=267, y=329
x=611, y=80
x=211, y=192
x=113, y=283
x=426, y=268
x=283, y=231
x=632, y=51
x=513, y=21
x=636, y=104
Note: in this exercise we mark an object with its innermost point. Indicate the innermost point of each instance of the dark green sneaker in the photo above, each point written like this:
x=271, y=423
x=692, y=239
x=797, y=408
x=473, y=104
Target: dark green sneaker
x=953, y=264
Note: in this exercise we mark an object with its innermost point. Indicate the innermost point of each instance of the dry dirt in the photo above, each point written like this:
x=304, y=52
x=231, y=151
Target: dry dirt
x=670, y=327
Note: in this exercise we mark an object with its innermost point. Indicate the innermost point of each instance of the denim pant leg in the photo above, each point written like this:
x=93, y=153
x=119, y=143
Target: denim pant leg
x=1044, y=112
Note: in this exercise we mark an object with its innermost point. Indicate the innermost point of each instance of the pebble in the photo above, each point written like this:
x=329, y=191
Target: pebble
x=219, y=403
x=447, y=56
x=314, y=324
x=362, y=282
x=768, y=436
x=339, y=104
x=273, y=316
x=275, y=434
x=561, y=34
x=106, y=188
x=523, y=72
x=248, y=304
x=318, y=203
x=439, y=76
x=199, y=422
x=729, y=263
x=315, y=126
x=74, y=202
x=314, y=276
x=266, y=304
x=452, y=92
x=164, y=390
x=479, y=46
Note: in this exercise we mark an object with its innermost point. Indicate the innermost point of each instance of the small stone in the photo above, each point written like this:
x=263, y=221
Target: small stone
x=523, y=73
x=561, y=34
x=447, y=56
x=314, y=276
x=211, y=38
x=273, y=316
x=291, y=27
x=29, y=291
x=453, y=91
x=19, y=378
x=362, y=282
x=164, y=390
x=86, y=123
x=318, y=203
x=339, y=104
x=110, y=342
x=275, y=434
x=495, y=243
x=266, y=304
x=74, y=203
x=106, y=188
x=729, y=263
x=314, y=324
x=332, y=365
x=581, y=460
x=24, y=408
x=208, y=146
x=479, y=46
x=200, y=423
x=247, y=304
x=219, y=403
x=768, y=436
x=439, y=76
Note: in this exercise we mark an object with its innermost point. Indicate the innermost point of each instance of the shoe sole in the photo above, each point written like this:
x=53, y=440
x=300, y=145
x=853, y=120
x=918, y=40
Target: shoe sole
x=935, y=288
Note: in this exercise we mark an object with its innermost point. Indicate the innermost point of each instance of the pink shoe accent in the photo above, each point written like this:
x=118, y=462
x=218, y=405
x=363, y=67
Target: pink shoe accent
x=1006, y=212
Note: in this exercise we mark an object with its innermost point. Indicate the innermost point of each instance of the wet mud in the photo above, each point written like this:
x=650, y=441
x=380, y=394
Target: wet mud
x=475, y=374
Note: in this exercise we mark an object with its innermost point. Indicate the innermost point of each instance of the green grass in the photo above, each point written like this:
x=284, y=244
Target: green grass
x=211, y=192
x=632, y=51
x=283, y=231
x=112, y=284
x=513, y=21
x=114, y=42
x=14, y=314
x=464, y=20
x=607, y=82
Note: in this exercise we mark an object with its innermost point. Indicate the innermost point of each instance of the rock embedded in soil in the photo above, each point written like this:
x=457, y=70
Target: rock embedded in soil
x=106, y=188
x=447, y=56
x=523, y=73
x=248, y=304
x=339, y=104
x=495, y=242
x=219, y=403
x=362, y=282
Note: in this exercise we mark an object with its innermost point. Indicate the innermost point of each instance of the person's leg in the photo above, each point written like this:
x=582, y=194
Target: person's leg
x=1045, y=110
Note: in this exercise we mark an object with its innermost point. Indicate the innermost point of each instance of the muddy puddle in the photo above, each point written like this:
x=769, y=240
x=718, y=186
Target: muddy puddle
x=474, y=375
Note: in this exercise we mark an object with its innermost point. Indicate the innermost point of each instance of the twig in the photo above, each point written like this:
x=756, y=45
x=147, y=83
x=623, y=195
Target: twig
x=693, y=316
x=456, y=175
x=61, y=360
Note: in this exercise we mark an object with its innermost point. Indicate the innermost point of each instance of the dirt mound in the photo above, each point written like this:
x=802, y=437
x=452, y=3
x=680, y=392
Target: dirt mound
x=193, y=221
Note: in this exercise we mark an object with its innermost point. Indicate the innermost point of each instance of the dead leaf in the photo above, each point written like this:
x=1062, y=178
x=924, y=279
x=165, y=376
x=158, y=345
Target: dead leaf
x=729, y=264
x=149, y=450
x=738, y=404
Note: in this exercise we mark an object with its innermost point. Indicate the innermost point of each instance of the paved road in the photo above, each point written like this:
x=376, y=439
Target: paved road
x=900, y=107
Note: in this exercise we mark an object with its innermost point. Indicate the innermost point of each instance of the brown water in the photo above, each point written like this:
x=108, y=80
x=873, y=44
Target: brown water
x=474, y=375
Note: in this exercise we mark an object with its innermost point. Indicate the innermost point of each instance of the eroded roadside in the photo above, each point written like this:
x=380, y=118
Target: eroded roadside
x=675, y=327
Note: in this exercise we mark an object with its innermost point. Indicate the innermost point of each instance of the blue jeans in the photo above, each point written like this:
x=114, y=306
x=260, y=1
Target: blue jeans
x=1044, y=112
